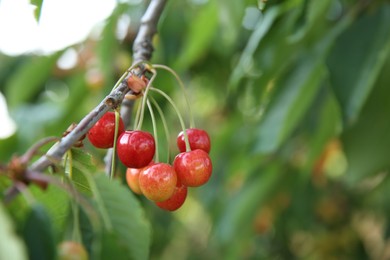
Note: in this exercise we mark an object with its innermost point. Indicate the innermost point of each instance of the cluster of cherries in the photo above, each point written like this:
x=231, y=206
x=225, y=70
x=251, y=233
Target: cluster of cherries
x=163, y=183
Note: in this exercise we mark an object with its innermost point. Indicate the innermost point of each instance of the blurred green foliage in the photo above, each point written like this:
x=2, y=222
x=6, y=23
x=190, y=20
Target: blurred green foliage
x=295, y=99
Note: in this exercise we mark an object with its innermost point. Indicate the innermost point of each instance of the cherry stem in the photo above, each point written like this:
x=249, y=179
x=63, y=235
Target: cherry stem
x=113, y=163
x=120, y=80
x=186, y=141
x=181, y=84
x=69, y=162
x=81, y=200
x=137, y=116
x=144, y=98
x=164, y=122
x=154, y=129
x=98, y=198
x=76, y=225
x=76, y=236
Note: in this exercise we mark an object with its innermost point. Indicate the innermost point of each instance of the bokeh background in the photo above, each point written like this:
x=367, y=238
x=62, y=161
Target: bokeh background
x=296, y=100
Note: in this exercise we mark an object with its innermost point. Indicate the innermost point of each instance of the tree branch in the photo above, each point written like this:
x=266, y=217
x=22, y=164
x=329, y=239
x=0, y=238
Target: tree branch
x=142, y=51
x=143, y=44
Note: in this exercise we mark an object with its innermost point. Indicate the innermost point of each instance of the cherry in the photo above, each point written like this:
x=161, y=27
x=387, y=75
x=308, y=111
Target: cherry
x=136, y=148
x=198, y=139
x=158, y=181
x=176, y=200
x=132, y=178
x=193, y=168
x=69, y=250
x=101, y=135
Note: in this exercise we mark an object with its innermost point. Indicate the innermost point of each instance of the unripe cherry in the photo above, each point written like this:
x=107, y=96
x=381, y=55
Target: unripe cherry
x=135, y=149
x=101, y=135
x=193, y=168
x=158, y=181
x=70, y=250
x=198, y=139
x=176, y=200
x=132, y=178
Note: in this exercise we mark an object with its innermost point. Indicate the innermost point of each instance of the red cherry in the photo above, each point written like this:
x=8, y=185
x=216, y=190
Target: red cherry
x=101, y=135
x=198, y=139
x=193, y=168
x=136, y=148
x=176, y=200
x=158, y=181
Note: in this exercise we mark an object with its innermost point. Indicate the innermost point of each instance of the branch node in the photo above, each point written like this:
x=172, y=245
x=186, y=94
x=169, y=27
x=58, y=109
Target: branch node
x=111, y=102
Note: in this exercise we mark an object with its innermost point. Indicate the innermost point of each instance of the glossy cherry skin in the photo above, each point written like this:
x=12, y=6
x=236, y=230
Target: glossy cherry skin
x=158, y=182
x=135, y=149
x=132, y=179
x=176, y=200
x=193, y=168
x=198, y=139
x=101, y=135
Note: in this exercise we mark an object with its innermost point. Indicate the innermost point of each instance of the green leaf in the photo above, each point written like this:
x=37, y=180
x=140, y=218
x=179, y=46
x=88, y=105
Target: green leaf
x=357, y=59
x=229, y=25
x=261, y=4
x=81, y=165
x=242, y=207
x=311, y=20
x=323, y=127
x=28, y=80
x=199, y=36
x=56, y=201
x=11, y=246
x=296, y=90
x=38, y=234
x=124, y=215
x=367, y=143
x=378, y=199
x=38, y=8
x=262, y=28
x=87, y=232
x=112, y=247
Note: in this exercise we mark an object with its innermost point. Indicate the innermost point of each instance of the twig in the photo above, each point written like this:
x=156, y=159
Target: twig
x=142, y=51
x=143, y=46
